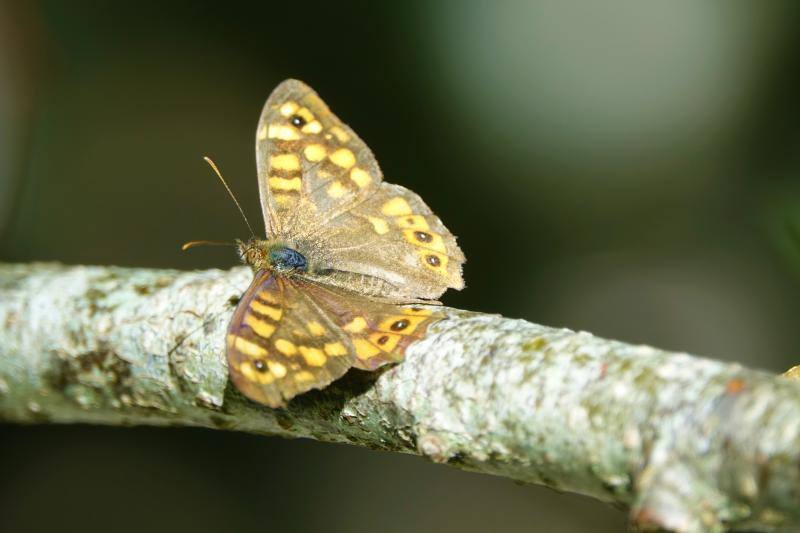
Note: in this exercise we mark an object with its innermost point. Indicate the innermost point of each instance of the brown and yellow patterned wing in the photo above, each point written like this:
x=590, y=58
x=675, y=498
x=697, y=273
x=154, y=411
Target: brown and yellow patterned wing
x=322, y=193
x=289, y=336
x=280, y=344
x=392, y=236
x=378, y=332
x=311, y=166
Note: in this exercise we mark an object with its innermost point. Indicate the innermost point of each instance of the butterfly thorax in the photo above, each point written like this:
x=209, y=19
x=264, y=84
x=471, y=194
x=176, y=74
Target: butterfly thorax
x=272, y=255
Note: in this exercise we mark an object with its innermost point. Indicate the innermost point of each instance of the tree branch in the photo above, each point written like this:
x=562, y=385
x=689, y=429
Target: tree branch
x=688, y=444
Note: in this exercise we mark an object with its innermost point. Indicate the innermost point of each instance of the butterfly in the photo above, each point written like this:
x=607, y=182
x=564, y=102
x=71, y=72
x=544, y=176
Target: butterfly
x=346, y=257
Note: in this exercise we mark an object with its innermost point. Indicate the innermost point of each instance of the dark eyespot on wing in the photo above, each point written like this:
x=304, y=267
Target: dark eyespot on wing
x=400, y=325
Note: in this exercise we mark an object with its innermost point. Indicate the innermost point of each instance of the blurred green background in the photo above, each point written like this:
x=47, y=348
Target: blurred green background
x=626, y=168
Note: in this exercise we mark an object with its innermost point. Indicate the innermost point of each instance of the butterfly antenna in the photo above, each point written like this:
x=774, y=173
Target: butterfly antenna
x=230, y=192
x=193, y=244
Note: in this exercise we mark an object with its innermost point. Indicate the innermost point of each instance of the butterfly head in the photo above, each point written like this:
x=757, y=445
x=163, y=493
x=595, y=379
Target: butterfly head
x=253, y=253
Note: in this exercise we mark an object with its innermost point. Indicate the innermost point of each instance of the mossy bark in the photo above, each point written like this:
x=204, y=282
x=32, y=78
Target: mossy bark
x=688, y=444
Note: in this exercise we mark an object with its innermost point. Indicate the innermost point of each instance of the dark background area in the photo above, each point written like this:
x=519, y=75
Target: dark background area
x=624, y=168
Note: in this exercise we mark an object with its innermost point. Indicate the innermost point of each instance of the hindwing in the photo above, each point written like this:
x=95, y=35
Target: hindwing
x=288, y=336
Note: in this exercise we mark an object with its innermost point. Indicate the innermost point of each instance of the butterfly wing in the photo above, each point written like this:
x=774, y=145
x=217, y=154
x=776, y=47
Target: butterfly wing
x=378, y=332
x=322, y=192
x=311, y=166
x=288, y=336
x=392, y=236
x=280, y=344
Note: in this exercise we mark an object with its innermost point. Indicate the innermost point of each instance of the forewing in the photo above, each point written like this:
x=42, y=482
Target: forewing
x=311, y=166
x=321, y=192
x=281, y=344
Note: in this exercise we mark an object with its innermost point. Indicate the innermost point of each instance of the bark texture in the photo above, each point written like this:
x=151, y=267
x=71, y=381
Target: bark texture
x=688, y=444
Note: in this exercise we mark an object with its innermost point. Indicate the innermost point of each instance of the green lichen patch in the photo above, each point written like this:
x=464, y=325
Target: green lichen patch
x=94, y=379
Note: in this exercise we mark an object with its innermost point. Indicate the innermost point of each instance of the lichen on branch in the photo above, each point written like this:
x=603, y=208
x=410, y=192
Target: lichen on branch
x=688, y=444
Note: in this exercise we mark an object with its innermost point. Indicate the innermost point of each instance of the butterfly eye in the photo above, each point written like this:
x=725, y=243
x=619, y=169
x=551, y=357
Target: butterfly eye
x=297, y=121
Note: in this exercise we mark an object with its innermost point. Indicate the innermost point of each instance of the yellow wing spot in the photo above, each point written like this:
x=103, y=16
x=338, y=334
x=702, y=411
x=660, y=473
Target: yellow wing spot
x=285, y=347
x=289, y=108
x=277, y=369
x=416, y=311
x=247, y=371
x=360, y=177
x=268, y=297
x=307, y=115
x=365, y=349
x=403, y=324
x=385, y=341
x=433, y=260
x=261, y=328
x=335, y=349
x=425, y=239
x=246, y=347
x=312, y=127
x=284, y=199
x=343, y=158
x=313, y=356
x=412, y=222
x=284, y=184
x=285, y=162
x=336, y=189
x=316, y=329
x=262, y=133
x=304, y=376
x=284, y=133
x=357, y=325
x=395, y=207
x=340, y=134
x=274, y=313
x=380, y=226
x=315, y=152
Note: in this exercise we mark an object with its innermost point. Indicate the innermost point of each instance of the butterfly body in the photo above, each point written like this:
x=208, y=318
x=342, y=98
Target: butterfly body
x=285, y=259
x=275, y=256
x=345, y=253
